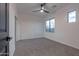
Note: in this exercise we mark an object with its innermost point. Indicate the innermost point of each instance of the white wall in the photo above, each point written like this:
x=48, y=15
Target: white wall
x=66, y=33
x=12, y=13
x=29, y=27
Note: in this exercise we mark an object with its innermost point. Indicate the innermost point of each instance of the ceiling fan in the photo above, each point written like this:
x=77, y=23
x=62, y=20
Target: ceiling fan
x=42, y=9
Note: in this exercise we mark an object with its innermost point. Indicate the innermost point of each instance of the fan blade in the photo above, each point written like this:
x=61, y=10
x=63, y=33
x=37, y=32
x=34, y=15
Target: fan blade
x=36, y=11
x=43, y=4
x=46, y=11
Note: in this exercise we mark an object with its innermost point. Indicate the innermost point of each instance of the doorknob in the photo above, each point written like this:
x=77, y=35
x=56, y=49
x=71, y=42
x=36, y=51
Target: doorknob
x=8, y=38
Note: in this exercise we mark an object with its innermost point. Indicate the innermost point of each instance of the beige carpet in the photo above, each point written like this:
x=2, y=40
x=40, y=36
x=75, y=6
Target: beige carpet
x=43, y=47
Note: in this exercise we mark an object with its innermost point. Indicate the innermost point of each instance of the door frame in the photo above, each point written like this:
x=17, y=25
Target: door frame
x=15, y=27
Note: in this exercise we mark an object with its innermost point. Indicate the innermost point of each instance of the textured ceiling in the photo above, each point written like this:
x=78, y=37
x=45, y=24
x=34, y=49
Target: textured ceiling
x=27, y=8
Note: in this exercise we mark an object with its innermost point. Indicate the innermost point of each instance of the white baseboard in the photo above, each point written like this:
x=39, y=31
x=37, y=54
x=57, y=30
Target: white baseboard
x=63, y=43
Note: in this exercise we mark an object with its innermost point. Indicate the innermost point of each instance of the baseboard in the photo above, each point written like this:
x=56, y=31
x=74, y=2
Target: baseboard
x=63, y=43
x=32, y=38
x=56, y=41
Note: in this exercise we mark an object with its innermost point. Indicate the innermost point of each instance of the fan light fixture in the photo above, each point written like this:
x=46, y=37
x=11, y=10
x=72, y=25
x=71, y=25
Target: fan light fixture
x=41, y=11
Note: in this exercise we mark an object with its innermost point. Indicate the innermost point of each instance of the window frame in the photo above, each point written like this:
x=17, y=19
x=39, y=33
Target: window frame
x=68, y=16
x=49, y=29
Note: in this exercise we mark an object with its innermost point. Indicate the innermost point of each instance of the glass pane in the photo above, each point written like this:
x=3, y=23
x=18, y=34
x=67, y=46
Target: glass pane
x=47, y=25
x=52, y=25
x=72, y=16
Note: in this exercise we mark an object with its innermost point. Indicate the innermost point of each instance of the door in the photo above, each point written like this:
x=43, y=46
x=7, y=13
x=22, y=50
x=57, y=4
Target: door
x=7, y=25
x=4, y=26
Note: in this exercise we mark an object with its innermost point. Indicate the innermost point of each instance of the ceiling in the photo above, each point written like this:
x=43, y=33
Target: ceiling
x=27, y=8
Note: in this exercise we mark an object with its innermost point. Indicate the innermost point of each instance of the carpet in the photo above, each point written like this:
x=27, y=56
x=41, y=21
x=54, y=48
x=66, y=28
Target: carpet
x=43, y=47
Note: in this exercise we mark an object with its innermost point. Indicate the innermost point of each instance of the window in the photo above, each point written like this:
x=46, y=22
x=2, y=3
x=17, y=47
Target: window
x=47, y=26
x=72, y=16
x=50, y=25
